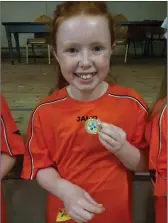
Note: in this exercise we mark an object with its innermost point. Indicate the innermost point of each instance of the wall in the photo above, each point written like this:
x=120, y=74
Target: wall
x=28, y=11
x=140, y=10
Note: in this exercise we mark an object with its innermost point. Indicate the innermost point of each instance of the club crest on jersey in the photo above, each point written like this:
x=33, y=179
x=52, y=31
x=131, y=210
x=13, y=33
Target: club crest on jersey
x=91, y=126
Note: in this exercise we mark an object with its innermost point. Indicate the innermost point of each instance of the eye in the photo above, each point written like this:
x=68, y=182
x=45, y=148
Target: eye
x=72, y=50
x=98, y=48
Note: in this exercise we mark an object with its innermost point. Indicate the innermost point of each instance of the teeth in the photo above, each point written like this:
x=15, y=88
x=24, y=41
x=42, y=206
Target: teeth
x=86, y=76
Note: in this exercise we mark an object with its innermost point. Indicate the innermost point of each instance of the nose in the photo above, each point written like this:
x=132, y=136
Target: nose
x=85, y=60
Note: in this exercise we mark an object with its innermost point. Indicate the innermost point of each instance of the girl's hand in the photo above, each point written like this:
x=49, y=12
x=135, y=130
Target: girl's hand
x=80, y=206
x=111, y=136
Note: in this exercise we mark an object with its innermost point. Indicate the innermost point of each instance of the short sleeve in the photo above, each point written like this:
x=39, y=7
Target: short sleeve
x=138, y=139
x=161, y=163
x=36, y=156
x=11, y=139
x=162, y=150
x=164, y=124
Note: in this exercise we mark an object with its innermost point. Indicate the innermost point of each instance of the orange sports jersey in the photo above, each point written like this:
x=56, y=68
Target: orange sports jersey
x=57, y=137
x=11, y=140
x=156, y=135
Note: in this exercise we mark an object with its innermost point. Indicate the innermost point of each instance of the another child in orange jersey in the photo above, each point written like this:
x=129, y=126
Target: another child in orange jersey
x=87, y=170
x=11, y=145
x=156, y=135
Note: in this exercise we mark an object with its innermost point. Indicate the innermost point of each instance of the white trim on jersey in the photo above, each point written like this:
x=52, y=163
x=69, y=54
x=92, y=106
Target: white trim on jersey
x=160, y=141
x=129, y=97
x=5, y=135
x=32, y=132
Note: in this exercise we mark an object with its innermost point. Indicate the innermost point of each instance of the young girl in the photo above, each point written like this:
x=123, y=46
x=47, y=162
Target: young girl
x=156, y=134
x=11, y=145
x=85, y=140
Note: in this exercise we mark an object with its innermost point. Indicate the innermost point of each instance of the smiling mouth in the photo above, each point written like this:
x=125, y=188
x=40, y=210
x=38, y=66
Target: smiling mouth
x=85, y=76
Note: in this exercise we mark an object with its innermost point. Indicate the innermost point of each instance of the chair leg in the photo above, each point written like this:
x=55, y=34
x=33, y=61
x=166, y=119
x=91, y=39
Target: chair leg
x=164, y=47
x=134, y=48
x=126, y=52
x=33, y=53
x=148, y=47
x=145, y=47
x=142, y=45
x=49, y=58
x=27, y=54
x=151, y=45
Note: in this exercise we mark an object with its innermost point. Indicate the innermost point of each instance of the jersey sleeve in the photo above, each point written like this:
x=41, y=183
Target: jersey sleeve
x=161, y=162
x=138, y=139
x=162, y=159
x=11, y=139
x=36, y=155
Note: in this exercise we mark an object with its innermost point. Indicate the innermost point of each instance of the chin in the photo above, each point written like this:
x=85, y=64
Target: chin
x=86, y=88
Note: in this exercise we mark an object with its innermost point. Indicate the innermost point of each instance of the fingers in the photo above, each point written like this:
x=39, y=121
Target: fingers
x=92, y=208
x=104, y=143
x=83, y=207
x=81, y=215
x=77, y=218
x=91, y=200
x=85, y=215
x=110, y=130
x=109, y=140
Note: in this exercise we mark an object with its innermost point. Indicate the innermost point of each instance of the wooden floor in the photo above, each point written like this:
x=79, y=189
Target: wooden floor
x=24, y=85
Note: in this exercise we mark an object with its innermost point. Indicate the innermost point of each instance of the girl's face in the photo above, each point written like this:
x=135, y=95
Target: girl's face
x=83, y=52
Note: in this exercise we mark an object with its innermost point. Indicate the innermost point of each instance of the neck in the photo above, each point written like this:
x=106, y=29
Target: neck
x=87, y=95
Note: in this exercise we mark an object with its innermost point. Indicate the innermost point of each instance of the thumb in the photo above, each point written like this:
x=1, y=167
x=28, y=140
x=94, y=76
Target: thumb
x=105, y=124
x=102, y=124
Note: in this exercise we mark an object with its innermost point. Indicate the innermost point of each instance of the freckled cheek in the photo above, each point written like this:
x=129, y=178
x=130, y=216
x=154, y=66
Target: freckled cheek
x=68, y=64
x=103, y=61
x=68, y=67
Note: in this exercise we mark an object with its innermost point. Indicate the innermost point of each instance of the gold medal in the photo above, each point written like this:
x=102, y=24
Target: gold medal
x=91, y=126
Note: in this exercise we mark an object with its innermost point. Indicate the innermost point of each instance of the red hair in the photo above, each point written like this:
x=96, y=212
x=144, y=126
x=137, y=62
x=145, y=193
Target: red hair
x=67, y=10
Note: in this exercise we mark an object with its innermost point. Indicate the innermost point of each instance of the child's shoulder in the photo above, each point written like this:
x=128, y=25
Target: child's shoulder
x=56, y=96
x=4, y=105
x=159, y=102
x=159, y=107
x=121, y=91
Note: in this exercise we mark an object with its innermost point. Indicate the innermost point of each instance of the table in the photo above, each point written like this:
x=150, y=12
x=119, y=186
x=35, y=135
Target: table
x=16, y=28
x=142, y=23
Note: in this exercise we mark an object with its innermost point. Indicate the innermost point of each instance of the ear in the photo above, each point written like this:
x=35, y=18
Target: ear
x=113, y=47
x=55, y=54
